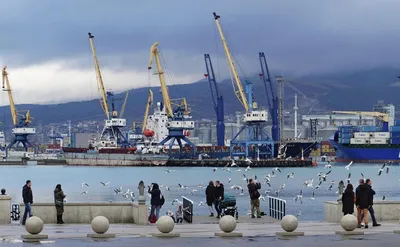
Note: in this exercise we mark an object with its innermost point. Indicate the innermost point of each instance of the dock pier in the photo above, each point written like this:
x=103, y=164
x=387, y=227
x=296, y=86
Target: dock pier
x=240, y=163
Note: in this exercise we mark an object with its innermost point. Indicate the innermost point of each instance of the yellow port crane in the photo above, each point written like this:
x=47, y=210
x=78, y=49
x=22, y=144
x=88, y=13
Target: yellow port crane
x=382, y=116
x=21, y=129
x=100, y=84
x=146, y=112
x=121, y=114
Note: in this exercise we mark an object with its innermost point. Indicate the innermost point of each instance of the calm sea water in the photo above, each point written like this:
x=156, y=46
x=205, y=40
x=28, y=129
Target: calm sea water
x=44, y=179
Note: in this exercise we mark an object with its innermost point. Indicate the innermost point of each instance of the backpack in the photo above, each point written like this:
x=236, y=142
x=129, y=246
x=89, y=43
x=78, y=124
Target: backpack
x=162, y=199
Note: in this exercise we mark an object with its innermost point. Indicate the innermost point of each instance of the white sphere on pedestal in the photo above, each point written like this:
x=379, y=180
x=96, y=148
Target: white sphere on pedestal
x=100, y=224
x=165, y=224
x=349, y=222
x=34, y=225
x=227, y=224
x=289, y=223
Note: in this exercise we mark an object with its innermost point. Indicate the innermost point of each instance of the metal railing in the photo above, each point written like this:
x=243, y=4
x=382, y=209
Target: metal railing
x=187, y=209
x=276, y=207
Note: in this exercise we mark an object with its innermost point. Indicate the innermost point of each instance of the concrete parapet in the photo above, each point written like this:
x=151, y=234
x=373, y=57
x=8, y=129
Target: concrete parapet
x=5, y=208
x=84, y=213
x=384, y=211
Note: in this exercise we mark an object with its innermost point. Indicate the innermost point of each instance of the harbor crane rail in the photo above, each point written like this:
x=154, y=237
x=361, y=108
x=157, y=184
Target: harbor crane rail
x=179, y=122
x=111, y=136
x=255, y=136
x=21, y=122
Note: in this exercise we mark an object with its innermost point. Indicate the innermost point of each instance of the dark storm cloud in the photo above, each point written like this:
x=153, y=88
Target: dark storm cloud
x=298, y=36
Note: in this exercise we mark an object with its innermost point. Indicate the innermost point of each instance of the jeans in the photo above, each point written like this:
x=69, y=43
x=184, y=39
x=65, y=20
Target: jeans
x=155, y=208
x=28, y=209
x=372, y=212
x=217, y=208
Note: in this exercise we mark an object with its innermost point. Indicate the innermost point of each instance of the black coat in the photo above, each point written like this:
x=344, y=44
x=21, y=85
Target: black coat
x=210, y=194
x=348, y=202
x=363, y=198
x=219, y=192
x=371, y=194
x=27, y=194
x=155, y=193
x=253, y=190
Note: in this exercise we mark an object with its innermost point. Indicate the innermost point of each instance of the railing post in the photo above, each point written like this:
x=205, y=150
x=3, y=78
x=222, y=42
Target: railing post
x=276, y=207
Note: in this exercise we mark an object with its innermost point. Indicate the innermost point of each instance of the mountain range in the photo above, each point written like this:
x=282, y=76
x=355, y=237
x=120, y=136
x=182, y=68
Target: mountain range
x=356, y=91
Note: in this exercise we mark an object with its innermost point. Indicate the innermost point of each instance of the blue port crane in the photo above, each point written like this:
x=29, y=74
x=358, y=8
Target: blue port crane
x=21, y=122
x=111, y=136
x=273, y=100
x=218, y=100
x=179, y=118
x=252, y=139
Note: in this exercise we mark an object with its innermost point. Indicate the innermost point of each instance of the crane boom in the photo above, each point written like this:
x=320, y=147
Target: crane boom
x=237, y=84
x=154, y=53
x=100, y=84
x=121, y=114
x=383, y=116
x=146, y=113
x=5, y=80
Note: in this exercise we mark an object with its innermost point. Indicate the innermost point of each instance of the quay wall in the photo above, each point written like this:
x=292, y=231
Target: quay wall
x=384, y=211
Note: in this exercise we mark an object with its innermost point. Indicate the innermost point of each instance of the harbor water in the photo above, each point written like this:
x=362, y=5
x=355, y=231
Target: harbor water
x=45, y=178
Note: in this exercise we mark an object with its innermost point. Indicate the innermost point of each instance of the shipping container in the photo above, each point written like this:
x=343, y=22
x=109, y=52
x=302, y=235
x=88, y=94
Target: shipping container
x=358, y=141
x=380, y=134
x=394, y=128
x=344, y=141
x=362, y=135
x=345, y=135
x=368, y=128
x=395, y=134
x=397, y=122
x=378, y=141
x=395, y=141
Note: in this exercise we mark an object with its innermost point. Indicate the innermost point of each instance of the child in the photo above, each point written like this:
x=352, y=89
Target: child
x=179, y=214
x=170, y=214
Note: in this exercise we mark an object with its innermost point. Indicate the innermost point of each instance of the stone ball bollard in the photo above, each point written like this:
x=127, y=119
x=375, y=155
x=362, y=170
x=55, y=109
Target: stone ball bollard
x=34, y=225
x=165, y=224
x=349, y=222
x=100, y=224
x=289, y=223
x=227, y=224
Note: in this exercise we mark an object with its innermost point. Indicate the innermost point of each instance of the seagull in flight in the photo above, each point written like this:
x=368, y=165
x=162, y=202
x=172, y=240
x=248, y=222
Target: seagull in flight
x=348, y=178
x=105, y=184
x=381, y=169
x=169, y=171
x=248, y=168
x=236, y=187
x=348, y=166
x=309, y=183
x=277, y=169
x=313, y=196
x=85, y=192
x=299, y=197
x=176, y=201
x=329, y=166
x=229, y=180
x=248, y=161
x=290, y=175
x=84, y=184
x=182, y=187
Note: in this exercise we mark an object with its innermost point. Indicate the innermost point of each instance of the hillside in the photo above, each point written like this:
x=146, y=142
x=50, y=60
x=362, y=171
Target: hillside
x=317, y=93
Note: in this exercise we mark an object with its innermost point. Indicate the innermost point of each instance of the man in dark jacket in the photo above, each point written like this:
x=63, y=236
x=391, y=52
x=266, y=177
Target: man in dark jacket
x=371, y=209
x=219, y=196
x=28, y=200
x=254, y=197
x=363, y=201
x=210, y=197
x=156, y=200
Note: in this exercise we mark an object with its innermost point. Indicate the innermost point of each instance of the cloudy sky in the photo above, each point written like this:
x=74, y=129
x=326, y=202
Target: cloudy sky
x=45, y=45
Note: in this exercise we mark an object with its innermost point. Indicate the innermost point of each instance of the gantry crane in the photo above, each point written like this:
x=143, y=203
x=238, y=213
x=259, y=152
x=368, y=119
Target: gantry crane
x=111, y=136
x=217, y=99
x=256, y=141
x=21, y=122
x=122, y=111
x=384, y=117
x=273, y=100
x=179, y=118
x=146, y=112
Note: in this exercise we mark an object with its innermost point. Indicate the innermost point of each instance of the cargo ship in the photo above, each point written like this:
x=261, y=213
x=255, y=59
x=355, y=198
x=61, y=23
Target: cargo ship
x=367, y=144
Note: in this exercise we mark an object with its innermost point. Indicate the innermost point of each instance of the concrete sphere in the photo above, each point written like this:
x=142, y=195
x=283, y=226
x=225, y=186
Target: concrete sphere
x=289, y=223
x=34, y=225
x=349, y=222
x=165, y=224
x=100, y=224
x=227, y=224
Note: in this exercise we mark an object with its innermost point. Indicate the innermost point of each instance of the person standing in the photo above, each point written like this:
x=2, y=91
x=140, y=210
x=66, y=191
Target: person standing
x=371, y=209
x=156, y=200
x=348, y=200
x=363, y=201
x=210, y=197
x=254, y=197
x=219, y=196
x=59, y=203
x=27, y=197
